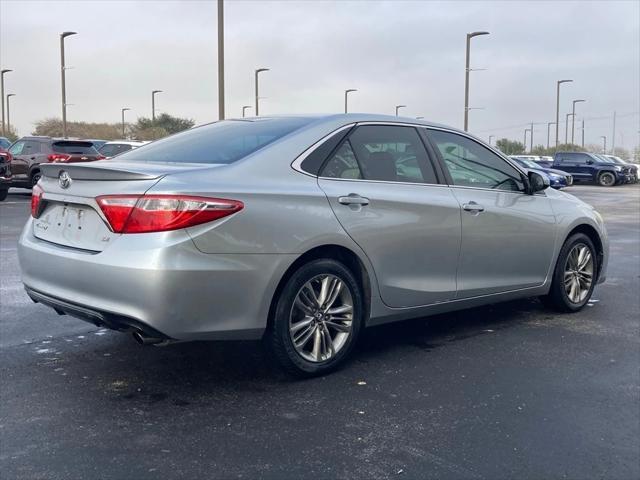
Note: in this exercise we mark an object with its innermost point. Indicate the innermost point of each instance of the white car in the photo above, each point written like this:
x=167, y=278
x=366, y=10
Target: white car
x=116, y=147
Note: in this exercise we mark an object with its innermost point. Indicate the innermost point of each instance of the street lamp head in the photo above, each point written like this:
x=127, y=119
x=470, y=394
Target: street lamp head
x=67, y=34
x=11, y=95
x=564, y=81
x=476, y=34
x=578, y=101
x=6, y=70
x=400, y=106
x=258, y=70
x=125, y=109
x=348, y=90
x=156, y=91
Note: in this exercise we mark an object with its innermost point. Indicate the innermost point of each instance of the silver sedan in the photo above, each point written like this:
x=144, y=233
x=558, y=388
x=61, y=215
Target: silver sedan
x=302, y=230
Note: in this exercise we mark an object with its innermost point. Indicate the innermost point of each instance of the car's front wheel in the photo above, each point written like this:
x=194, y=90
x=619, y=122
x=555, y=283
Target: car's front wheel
x=3, y=194
x=35, y=178
x=317, y=318
x=607, y=179
x=575, y=274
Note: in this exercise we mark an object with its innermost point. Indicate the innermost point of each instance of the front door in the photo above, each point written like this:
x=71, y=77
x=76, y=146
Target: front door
x=508, y=236
x=383, y=189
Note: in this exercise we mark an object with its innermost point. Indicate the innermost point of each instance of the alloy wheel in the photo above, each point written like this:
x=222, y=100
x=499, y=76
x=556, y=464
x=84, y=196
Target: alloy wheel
x=578, y=273
x=321, y=318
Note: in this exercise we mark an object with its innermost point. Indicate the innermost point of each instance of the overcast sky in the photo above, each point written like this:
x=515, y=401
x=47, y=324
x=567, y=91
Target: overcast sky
x=393, y=52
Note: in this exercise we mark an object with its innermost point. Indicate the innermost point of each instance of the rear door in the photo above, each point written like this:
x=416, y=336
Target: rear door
x=508, y=235
x=576, y=164
x=20, y=162
x=383, y=188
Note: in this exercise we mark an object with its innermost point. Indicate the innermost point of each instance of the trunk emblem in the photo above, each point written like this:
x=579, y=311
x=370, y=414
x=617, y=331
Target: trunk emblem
x=64, y=179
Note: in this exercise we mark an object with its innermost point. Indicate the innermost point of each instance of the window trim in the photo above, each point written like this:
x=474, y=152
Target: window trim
x=525, y=177
x=433, y=162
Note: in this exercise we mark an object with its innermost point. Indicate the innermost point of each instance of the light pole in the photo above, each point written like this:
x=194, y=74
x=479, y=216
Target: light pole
x=573, y=118
x=64, y=35
x=346, y=93
x=256, y=85
x=582, y=129
x=566, y=127
x=603, y=137
x=524, y=142
x=559, y=82
x=2, y=72
x=124, y=110
x=9, y=95
x=244, y=109
x=531, y=139
x=466, y=77
x=549, y=131
x=153, y=104
x=220, y=59
x=490, y=137
x=398, y=107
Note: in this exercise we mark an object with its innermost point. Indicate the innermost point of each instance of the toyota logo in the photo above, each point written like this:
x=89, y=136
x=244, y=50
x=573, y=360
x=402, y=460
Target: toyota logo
x=64, y=180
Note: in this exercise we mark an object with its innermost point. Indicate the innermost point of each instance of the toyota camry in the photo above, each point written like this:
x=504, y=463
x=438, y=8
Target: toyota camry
x=302, y=231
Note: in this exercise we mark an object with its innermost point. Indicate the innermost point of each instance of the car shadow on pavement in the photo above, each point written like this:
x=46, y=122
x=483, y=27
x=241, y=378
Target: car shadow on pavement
x=203, y=372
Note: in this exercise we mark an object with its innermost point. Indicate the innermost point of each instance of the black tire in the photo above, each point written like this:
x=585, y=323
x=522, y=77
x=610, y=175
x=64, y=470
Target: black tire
x=558, y=297
x=35, y=176
x=3, y=194
x=606, y=179
x=278, y=337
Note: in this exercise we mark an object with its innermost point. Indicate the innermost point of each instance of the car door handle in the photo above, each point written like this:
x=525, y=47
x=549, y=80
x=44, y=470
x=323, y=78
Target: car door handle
x=473, y=207
x=353, y=199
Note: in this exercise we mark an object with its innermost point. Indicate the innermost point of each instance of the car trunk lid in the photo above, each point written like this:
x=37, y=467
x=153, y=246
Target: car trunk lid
x=70, y=216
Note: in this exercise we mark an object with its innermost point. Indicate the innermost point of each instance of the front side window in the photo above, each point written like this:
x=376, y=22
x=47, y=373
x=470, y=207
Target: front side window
x=472, y=165
x=383, y=153
x=16, y=148
x=31, y=147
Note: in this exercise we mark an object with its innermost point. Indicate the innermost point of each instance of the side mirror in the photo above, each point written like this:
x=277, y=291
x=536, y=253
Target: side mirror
x=537, y=182
x=589, y=162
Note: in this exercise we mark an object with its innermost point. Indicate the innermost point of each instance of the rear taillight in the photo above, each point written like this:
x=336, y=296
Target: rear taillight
x=6, y=156
x=36, y=201
x=160, y=213
x=100, y=157
x=58, y=157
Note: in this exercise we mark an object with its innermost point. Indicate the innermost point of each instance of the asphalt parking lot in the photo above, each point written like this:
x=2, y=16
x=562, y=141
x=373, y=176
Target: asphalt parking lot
x=507, y=391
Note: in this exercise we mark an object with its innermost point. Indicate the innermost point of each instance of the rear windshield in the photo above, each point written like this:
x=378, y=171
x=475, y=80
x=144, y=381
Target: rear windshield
x=221, y=142
x=80, y=148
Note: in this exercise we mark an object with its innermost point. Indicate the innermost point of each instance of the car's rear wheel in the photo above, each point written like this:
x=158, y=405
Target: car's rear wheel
x=3, y=194
x=317, y=318
x=607, y=179
x=35, y=177
x=575, y=275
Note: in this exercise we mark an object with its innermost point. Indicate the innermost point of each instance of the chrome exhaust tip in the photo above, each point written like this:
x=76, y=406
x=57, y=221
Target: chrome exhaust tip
x=142, y=339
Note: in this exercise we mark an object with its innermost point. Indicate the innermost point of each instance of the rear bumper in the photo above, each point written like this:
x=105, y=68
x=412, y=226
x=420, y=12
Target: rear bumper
x=160, y=284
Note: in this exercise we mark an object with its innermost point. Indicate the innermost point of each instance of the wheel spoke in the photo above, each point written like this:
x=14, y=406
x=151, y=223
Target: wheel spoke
x=309, y=295
x=302, y=305
x=325, y=285
x=336, y=287
x=329, y=340
x=340, y=310
x=305, y=322
x=317, y=340
x=338, y=326
x=304, y=337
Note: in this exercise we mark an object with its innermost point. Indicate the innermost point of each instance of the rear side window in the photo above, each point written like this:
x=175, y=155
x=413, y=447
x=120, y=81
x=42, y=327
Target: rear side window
x=218, y=143
x=384, y=153
x=113, y=149
x=78, y=148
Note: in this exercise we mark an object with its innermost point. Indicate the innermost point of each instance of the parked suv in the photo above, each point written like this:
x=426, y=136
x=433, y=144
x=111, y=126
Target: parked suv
x=5, y=173
x=29, y=152
x=588, y=167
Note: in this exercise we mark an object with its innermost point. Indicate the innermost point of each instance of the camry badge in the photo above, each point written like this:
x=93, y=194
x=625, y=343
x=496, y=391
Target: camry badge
x=64, y=180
